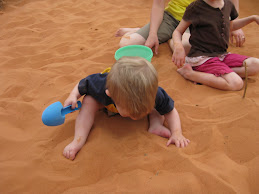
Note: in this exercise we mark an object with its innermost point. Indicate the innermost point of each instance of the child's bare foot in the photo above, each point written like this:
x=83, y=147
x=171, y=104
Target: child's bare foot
x=122, y=31
x=72, y=149
x=160, y=130
x=185, y=71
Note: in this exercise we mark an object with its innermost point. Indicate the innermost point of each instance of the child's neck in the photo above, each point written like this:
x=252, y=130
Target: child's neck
x=215, y=3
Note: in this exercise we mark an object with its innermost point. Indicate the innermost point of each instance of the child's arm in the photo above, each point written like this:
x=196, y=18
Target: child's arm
x=239, y=23
x=73, y=97
x=174, y=123
x=237, y=34
x=179, y=52
x=156, y=18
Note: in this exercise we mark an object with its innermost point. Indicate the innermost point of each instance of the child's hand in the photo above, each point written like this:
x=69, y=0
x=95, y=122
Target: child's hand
x=179, y=55
x=178, y=139
x=239, y=37
x=152, y=41
x=71, y=100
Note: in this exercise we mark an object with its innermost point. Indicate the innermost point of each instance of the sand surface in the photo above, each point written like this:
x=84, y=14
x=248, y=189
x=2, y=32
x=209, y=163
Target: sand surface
x=48, y=46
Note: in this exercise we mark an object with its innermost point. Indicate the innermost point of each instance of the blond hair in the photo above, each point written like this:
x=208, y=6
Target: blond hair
x=132, y=84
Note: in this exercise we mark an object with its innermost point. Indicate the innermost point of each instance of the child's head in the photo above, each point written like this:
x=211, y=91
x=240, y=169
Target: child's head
x=132, y=84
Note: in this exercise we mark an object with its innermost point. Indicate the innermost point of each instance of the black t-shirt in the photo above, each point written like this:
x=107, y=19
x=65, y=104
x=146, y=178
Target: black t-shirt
x=95, y=86
x=209, y=27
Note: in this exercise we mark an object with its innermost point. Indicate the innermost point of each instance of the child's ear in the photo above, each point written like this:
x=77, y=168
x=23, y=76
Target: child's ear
x=107, y=92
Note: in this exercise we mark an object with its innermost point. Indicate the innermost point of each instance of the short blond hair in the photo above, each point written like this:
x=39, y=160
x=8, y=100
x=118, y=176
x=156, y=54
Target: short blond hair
x=132, y=84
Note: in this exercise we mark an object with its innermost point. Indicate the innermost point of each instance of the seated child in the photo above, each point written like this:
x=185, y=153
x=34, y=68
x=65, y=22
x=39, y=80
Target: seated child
x=208, y=62
x=130, y=89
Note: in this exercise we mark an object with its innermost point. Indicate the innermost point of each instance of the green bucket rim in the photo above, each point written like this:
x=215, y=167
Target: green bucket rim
x=149, y=57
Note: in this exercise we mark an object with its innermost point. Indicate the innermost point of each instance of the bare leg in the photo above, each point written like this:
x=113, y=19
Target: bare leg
x=252, y=67
x=122, y=31
x=84, y=122
x=156, y=126
x=130, y=37
x=230, y=81
x=185, y=42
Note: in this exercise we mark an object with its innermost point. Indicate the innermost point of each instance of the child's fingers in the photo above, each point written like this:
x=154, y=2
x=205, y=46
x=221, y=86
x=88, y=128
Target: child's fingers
x=66, y=154
x=237, y=41
x=69, y=101
x=176, y=62
x=73, y=105
x=177, y=143
x=240, y=40
x=182, y=62
x=66, y=103
x=231, y=39
x=186, y=142
x=182, y=144
x=243, y=40
x=156, y=48
x=168, y=142
x=174, y=58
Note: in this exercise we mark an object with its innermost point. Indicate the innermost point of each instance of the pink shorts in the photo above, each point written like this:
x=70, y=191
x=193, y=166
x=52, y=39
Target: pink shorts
x=220, y=66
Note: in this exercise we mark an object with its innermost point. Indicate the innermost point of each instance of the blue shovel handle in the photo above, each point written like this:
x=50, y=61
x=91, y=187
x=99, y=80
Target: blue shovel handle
x=68, y=109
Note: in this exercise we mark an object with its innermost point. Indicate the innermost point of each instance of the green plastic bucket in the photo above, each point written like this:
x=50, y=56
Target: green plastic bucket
x=134, y=50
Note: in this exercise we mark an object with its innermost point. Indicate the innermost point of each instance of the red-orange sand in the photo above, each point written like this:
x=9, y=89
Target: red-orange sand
x=47, y=46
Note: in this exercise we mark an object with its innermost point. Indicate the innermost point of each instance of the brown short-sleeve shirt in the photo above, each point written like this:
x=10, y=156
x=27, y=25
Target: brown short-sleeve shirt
x=209, y=27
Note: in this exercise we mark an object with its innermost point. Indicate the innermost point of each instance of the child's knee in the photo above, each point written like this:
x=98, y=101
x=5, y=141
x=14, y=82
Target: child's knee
x=124, y=42
x=251, y=61
x=132, y=39
x=237, y=84
x=252, y=65
x=233, y=82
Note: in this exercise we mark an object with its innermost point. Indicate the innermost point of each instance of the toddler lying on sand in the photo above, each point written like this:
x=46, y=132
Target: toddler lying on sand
x=130, y=89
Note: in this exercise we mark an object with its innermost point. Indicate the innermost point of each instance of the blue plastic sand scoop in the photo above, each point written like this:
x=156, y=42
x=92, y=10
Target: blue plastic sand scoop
x=54, y=114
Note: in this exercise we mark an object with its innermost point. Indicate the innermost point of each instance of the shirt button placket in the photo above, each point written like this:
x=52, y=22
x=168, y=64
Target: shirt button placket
x=223, y=24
